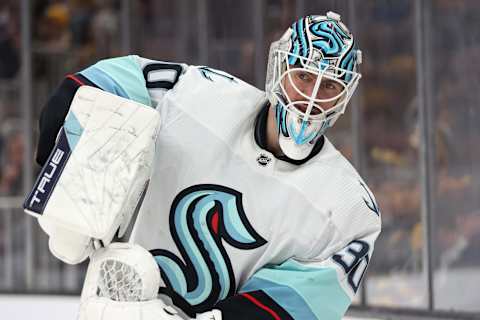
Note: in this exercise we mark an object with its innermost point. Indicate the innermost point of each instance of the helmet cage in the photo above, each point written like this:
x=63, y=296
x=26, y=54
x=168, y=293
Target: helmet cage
x=322, y=50
x=313, y=113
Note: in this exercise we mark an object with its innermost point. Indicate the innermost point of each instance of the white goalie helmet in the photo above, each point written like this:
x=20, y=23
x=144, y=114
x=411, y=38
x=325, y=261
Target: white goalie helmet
x=311, y=76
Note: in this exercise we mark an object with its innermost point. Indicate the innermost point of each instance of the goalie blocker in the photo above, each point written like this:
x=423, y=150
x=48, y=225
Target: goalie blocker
x=96, y=173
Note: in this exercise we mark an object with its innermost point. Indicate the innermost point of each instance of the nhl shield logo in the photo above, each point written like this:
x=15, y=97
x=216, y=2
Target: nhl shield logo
x=263, y=159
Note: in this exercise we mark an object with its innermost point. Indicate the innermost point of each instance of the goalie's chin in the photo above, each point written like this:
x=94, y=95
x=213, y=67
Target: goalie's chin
x=294, y=151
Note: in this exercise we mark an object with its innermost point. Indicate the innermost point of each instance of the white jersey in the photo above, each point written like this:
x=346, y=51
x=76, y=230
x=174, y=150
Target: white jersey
x=224, y=217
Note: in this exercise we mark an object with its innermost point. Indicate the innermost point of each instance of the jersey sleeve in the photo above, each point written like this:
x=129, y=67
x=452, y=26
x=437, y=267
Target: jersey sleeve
x=300, y=289
x=122, y=76
x=128, y=77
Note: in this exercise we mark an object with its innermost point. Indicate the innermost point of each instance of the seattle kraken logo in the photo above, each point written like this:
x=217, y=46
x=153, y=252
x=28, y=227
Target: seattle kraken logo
x=331, y=38
x=201, y=217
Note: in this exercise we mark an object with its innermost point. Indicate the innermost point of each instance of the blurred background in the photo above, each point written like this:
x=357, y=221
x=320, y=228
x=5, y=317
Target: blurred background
x=412, y=130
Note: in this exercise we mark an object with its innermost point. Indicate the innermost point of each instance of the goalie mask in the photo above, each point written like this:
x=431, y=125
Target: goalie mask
x=311, y=76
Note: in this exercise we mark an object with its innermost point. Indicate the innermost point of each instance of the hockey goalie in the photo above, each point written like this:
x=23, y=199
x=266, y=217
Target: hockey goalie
x=230, y=202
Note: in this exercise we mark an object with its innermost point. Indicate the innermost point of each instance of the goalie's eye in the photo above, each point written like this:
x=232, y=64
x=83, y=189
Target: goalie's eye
x=329, y=88
x=329, y=85
x=305, y=77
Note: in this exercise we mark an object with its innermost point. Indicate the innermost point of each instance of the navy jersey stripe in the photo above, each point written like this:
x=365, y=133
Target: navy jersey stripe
x=54, y=112
x=253, y=305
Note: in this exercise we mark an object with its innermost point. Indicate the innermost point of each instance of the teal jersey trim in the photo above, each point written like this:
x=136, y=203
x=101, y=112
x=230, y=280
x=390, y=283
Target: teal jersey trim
x=121, y=76
x=318, y=287
x=104, y=81
x=290, y=300
x=73, y=130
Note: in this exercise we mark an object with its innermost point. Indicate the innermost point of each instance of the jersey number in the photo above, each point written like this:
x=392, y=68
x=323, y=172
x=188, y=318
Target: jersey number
x=354, y=260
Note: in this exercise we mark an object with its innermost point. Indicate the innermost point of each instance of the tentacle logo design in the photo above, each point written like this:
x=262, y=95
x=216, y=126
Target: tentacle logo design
x=201, y=217
x=371, y=203
x=326, y=36
x=331, y=38
x=334, y=42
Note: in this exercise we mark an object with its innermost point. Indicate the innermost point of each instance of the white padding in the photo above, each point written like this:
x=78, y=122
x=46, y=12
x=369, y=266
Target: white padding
x=132, y=258
x=68, y=246
x=72, y=248
x=105, y=309
x=110, y=163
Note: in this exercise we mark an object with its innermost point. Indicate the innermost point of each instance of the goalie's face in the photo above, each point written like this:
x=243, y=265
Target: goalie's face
x=310, y=96
x=302, y=88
